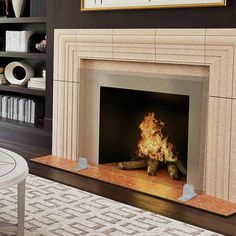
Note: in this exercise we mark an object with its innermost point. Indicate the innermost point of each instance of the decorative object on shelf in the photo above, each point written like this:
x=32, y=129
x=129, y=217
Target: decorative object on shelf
x=18, y=41
x=2, y=76
x=18, y=73
x=6, y=7
x=18, y=7
x=42, y=45
x=2, y=43
x=44, y=74
x=3, y=79
x=37, y=83
x=91, y=5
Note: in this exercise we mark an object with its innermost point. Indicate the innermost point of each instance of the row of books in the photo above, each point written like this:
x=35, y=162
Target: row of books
x=21, y=109
x=17, y=41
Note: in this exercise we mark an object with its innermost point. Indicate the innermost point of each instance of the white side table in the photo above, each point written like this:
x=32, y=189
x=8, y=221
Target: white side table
x=13, y=171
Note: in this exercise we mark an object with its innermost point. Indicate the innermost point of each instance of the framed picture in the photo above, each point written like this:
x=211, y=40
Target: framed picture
x=99, y=5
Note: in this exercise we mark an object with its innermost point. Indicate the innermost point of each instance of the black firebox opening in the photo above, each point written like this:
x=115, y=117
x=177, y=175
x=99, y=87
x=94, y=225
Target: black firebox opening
x=122, y=111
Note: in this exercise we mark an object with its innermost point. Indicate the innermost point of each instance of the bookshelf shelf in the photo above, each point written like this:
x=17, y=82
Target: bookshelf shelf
x=20, y=125
x=22, y=90
x=23, y=20
x=26, y=55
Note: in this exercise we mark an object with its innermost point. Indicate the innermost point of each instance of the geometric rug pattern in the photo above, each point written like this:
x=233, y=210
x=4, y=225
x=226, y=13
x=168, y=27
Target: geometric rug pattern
x=54, y=209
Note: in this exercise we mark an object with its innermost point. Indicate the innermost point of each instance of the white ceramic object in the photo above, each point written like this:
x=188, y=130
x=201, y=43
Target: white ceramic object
x=11, y=75
x=18, y=6
x=188, y=193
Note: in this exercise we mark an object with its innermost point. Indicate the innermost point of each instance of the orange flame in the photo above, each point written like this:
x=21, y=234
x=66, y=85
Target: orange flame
x=153, y=144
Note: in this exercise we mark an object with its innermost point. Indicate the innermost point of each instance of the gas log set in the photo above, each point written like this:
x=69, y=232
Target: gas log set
x=154, y=150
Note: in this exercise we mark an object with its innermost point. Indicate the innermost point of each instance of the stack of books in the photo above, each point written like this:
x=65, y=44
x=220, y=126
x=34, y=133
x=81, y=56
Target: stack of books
x=17, y=41
x=2, y=76
x=37, y=83
x=21, y=109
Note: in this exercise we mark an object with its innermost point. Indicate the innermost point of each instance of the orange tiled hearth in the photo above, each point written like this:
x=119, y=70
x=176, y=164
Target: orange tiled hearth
x=160, y=185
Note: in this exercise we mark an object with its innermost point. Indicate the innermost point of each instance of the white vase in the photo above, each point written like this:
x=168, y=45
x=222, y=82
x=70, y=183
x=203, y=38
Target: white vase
x=18, y=6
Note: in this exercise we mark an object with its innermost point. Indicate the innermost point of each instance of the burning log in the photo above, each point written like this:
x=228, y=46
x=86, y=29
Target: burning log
x=152, y=167
x=181, y=168
x=131, y=165
x=173, y=171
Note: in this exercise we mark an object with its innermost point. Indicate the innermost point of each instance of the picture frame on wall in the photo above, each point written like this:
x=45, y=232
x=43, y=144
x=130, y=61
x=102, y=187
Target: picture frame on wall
x=102, y=5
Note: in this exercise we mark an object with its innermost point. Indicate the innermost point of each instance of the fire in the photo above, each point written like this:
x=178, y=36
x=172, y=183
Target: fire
x=153, y=144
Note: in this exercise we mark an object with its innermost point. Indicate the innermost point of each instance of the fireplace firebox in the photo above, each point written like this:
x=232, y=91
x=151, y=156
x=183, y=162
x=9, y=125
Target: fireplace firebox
x=122, y=111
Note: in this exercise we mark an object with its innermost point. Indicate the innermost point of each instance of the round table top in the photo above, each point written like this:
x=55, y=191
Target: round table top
x=13, y=168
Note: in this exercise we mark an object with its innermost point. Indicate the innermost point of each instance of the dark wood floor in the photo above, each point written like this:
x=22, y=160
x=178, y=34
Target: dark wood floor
x=216, y=223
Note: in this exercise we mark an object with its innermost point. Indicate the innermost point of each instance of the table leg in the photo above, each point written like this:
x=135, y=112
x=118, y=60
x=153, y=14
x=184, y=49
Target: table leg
x=21, y=208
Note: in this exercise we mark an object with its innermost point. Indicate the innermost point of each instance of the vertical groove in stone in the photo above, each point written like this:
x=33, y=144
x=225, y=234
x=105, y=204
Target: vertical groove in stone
x=224, y=137
x=232, y=185
x=211, y=152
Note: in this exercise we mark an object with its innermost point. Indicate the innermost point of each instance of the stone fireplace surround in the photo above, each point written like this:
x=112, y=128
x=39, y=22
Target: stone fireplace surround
x=206, y=53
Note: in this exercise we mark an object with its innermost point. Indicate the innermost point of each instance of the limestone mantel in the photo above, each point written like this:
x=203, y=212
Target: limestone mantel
x=202, y=52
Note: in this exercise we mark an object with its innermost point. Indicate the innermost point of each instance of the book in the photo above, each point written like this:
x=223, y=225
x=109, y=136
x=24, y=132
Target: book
x=37, y=111
x=1, y=105
x=21, y=109
x=4, y=106
x=26, y=110
x=2, y=70
x=36, y=85
x=38, y=79
x=3, y=82
x=15, y=108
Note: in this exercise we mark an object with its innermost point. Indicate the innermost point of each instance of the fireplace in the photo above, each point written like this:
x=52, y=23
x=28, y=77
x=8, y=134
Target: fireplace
x=151, y=60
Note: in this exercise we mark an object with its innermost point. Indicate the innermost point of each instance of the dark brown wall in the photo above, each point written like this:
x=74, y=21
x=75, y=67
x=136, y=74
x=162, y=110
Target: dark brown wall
x=67, y=14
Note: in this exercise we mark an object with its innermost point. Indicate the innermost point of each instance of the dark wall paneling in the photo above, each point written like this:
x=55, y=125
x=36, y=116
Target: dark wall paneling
x=67, y=14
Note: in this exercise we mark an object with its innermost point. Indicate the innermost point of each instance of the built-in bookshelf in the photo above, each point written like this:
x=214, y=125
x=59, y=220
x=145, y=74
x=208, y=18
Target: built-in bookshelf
x=35, y=131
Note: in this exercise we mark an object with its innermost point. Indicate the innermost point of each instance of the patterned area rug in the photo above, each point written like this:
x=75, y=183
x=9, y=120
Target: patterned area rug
x=54, y=209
